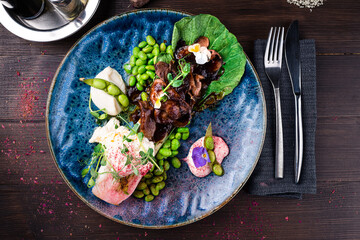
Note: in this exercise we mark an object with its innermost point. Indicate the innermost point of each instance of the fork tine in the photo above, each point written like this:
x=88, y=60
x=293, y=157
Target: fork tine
x=268, y=46
x=276, y=54
x=272, y=46
x=281, y=45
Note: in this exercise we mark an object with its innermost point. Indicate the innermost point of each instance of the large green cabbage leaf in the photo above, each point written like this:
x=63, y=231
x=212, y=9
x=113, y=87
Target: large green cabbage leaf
x=222, y=41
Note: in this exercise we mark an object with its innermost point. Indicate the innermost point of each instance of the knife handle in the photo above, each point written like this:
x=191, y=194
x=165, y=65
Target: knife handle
x=279, y=148
x=299, y=142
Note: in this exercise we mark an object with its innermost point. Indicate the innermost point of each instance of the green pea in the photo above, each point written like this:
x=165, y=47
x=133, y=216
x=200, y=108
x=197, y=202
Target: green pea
x=212, y=156
x=167, y=144
x=138, y=194
x=150, y=40
x=98, y=83
x=160, y=186
x=174, y=153
x=175, y=144
x=142, y=81
x=151, y=74
x=162, y=47
x=161, y=162
x=150, y=67
x=150, y=55
x=140, y=62
x=166, y=165
x=149, y=198
x=139, y=87
x=147, y=49
x=172, y=136
x=159, y=156
x=185, y=136
x=156, y=51
x=153, y=190
x=135, y=70
x=141, y=69
x=164, y=175
x=158, y=172
x=141, y=186
x=151, y=61
x=218, y=169
x=178, y=136
x=136, y=51
x=113, y=90
x=165, y=152
x=209, y=143
x=142, y=55
x=132, y=61
x=156, y=46
x=123, y=100
x=144, y=96
x=148, y=181
x=127, y=68
x=146, y=191
x=145, y=76
x=142, y=44
x=148, y=175
x=175, y=162
x=157, y=179
x=132, y=81
x=182, y=130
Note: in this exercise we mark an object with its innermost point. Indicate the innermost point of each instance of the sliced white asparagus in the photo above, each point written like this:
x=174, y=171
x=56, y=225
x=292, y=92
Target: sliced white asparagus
x=103, y=100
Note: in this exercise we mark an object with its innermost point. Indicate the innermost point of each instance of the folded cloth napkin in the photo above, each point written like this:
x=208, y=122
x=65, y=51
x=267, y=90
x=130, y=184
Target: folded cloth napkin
x=262, y=181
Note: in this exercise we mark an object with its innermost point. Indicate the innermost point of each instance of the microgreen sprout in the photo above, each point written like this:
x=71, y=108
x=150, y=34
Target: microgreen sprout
x=179, y=79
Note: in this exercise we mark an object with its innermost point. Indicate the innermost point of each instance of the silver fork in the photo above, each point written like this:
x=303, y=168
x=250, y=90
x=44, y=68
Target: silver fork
x=272, y=61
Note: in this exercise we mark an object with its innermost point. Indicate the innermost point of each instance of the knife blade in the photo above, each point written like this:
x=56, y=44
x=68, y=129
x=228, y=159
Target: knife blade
x=292, y=57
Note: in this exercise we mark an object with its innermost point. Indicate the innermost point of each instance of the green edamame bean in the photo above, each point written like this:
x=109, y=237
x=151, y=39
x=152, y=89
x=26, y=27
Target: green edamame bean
x=185, y=136
x=175, y=162
x=178, y=136
x=132, y=81
x=150, y=55
x=144, y=76
x=127, y=68
x=150, y=67
x=146, y=191
x=157, y=179
x=159, y=156
x=113, y=90
x=141, y=186
x=165, y=152
x=218, y=169
x=151, y=74
x=209, y=143
x=167, y=144
x=156, y=46
x=156, y=51
x=138, y=77
x=150, y=40
x=98, y=83
x=153, y=190
x=132, y=61
x=175, y=144
x=162, y=47
x=182, y=130
x=212, y=156
x=144, y=96
x=152, y=168
x=136, y=51
x=174, y=153
x=123, y=100
x=160, y=186
x=139, y=87
x=140, y=62
x=141, y=69
x=142, y=44
x=135, y=70
x=138, y=194
x=169, y=50
x=166, y=165
x=161, y=162
x=142, y=81
x=142, y=55
x=148, y=175
x=164, y=175
x=147, y=49
x=158, y=172
x=149, y=198
x=151, y=61
x=148, y=181
x=172, y=136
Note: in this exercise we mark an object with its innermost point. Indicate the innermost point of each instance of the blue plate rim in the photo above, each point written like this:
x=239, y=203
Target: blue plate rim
x=85, y=200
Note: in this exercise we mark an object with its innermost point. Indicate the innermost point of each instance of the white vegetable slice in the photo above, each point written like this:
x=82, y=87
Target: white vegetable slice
x=103, y=100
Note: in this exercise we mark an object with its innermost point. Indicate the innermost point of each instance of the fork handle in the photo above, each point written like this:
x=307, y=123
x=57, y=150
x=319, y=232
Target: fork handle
x=279, y=149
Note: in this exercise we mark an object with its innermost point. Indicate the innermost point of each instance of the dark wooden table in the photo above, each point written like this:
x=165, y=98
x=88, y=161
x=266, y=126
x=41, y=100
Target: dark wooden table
x=35, y=203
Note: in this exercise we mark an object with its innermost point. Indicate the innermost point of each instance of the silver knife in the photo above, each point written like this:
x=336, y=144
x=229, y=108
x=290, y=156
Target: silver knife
x=292, y=56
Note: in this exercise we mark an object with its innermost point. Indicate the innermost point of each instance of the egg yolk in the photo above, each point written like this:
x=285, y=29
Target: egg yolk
x=194, y=48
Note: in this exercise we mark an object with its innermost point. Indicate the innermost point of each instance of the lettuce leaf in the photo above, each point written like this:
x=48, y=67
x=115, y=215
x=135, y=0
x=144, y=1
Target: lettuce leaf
x=222, y=41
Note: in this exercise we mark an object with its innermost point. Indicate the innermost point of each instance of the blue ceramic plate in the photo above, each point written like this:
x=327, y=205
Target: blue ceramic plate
x=239, y=119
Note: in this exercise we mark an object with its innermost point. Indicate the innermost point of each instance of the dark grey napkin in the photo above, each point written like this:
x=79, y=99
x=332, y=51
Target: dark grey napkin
x=262, y=181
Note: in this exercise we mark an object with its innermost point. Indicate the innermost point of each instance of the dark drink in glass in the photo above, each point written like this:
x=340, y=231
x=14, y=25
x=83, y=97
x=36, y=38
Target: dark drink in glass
x=27, y=9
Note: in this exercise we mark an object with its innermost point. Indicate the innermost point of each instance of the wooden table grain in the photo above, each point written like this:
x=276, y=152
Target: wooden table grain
x=35, y=203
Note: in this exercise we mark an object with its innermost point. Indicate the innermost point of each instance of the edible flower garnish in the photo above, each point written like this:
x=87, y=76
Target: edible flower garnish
x=200, y=157
x=160, y=98
x=202, y=54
